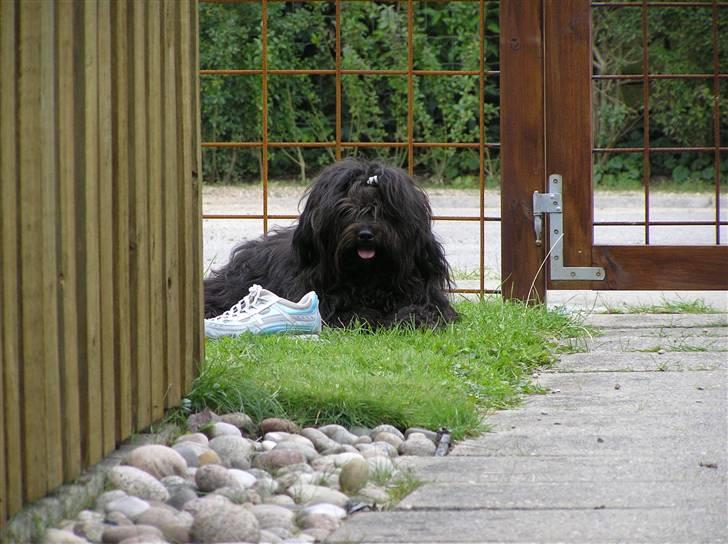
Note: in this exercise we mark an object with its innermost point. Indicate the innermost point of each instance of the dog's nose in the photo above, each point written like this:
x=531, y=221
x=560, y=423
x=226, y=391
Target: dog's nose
x=366, y=235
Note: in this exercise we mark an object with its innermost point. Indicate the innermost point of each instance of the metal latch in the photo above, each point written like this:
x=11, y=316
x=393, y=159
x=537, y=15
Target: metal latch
x=550, y=203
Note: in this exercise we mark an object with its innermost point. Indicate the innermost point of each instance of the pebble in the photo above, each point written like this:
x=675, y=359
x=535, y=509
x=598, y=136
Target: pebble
x=136, y=482
x=353, y=476
x=273, y=424
x=291, y=486
x=131, y=507
x=211, y=477
x=221, y=429
x=216, y=519
x=417, y=444
x=159, y=461
x=234, y=451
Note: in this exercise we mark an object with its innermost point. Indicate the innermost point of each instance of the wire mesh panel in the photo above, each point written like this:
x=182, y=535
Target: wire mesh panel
x=413, y=83
x=659, y=122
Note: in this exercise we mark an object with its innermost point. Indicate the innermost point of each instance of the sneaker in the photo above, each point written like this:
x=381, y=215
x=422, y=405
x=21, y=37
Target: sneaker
x=263, y=312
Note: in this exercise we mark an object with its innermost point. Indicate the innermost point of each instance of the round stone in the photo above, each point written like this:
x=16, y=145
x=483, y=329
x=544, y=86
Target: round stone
x=417, y=444
x=431, y=435
x=216, y=519
x=137, y=482
x=381, y=467
x=238, y=495
x=211, y=477
x=319, y=440
x=234, y=451
x=312, y=494
x=131, y=507
x=339, y=434
x=389, y=438
x=385, y=448
x=241, y=478
x=325, y=509
x=175, y=526
x=56, y=536
x=271, y=515
x=159, y=461
x=375, y=494
x=386, y=429
x=275, y=459
x=197, y=438
x=275, y=424
x=190, y=452
x=145, y=533
x=107, y=497
x=353, y=476
x=318, y=521
x=308, y=451
x=280, y=500
x=221, y=429
x=241, y=421
x=209, y=457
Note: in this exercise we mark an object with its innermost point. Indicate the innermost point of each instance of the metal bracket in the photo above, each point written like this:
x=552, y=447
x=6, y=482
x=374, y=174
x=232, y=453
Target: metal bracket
x=550, y=203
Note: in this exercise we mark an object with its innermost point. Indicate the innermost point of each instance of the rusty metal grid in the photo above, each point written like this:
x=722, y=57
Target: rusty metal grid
x=646, y=77
x=338, y=144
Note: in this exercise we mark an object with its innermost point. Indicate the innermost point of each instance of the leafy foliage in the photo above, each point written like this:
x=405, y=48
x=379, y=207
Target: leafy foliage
x=445, y=108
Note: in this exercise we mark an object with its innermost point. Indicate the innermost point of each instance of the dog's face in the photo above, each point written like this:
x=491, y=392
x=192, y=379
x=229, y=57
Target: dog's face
x=363, y=219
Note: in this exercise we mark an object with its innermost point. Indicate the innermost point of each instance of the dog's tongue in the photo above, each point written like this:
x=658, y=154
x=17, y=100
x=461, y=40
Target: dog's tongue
x=365, y=253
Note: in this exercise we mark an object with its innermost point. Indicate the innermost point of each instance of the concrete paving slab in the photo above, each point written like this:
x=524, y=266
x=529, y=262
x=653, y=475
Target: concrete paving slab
x=569, y=495
x=604, y=526
x=649, y=344
x=669, y=332
x=563, y=469
x=640, y=362
x=640, y=321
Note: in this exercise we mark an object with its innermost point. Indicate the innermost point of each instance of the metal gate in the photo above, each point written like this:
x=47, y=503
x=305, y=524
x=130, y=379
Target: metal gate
x=546, y=75
x=546, y=96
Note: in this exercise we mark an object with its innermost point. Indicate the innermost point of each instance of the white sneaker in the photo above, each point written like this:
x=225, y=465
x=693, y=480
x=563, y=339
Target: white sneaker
x=263, y=312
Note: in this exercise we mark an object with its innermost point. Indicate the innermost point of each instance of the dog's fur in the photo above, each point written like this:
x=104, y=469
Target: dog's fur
x=347, y=217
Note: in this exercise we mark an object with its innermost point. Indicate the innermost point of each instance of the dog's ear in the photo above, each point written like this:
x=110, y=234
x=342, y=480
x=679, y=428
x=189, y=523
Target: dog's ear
x=429, y=259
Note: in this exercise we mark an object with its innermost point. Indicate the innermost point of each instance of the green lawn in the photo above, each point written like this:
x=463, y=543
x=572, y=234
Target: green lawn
x=444, y=378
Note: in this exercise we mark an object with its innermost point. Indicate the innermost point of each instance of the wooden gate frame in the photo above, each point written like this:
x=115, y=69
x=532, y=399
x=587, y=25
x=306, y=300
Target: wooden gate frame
x=546, y=128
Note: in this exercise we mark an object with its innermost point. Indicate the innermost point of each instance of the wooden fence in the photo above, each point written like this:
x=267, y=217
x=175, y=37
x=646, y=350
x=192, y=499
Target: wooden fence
x=100, y=248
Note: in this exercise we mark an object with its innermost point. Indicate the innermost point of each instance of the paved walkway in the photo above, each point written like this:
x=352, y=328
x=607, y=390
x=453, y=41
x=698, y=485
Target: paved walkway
x=629, y=445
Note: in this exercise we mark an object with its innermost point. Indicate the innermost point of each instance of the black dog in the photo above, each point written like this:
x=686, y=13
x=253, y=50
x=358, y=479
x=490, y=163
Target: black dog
x=364, y=243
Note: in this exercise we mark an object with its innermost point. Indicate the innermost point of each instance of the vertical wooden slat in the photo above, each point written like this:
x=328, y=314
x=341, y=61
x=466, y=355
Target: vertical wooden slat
x=67, y=41
x=139, y=228
x=105, y=206
x=568, y=121
x=9, y=265
x=33, y=404
x=120, y=120
x=186, y=215
x=89, y=312
x=196, y=153
x=172, y=203
x=156, y=225
x=49, y=255
x=522, y=147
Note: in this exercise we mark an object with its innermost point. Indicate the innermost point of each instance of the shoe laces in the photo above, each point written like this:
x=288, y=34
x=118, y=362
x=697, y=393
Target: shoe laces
x=244, y=306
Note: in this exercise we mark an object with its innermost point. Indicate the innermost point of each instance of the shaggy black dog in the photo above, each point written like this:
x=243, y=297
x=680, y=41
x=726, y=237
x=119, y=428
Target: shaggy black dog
x=364, y=243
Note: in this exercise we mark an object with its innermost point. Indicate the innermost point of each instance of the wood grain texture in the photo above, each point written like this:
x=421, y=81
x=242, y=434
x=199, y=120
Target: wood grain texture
x=522, y=147
x=69, y=339
x=139, y=224
x=33, y=405
x=155, y=173
x=77, y=197
x=106, y=231
x=567, y=29
x=12, y=470
x=171, y=217
x=48, y=255
x=122, y=78
x=663, y=267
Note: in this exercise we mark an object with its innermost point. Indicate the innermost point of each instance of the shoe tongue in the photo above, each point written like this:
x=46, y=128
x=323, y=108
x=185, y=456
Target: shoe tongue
x=366, y=253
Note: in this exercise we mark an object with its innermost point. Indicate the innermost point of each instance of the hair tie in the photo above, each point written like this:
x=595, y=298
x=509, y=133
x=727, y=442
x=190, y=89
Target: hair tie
x=373, y=180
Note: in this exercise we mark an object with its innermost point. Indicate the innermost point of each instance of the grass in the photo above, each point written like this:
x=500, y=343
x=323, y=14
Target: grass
x=697, y=306
x=405, y=377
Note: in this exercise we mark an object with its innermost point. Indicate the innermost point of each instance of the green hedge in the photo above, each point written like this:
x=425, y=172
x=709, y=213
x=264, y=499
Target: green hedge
x=374, y=108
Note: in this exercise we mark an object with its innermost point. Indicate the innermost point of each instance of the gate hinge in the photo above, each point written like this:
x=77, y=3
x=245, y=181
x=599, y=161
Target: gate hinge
x=551, y=204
